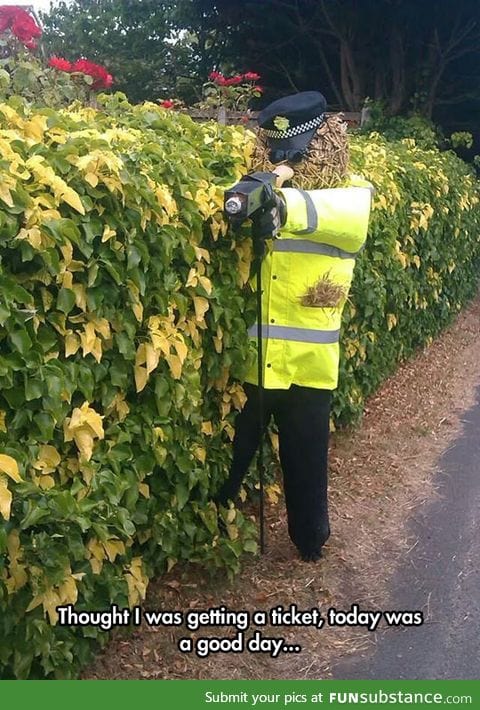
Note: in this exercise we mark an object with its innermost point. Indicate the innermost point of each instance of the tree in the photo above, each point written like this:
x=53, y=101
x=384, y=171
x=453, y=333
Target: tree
x=405, y=54
x=409, y=54
x=138, y=40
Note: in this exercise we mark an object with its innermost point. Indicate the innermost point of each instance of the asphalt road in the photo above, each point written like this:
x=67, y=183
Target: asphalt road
x=440, y=576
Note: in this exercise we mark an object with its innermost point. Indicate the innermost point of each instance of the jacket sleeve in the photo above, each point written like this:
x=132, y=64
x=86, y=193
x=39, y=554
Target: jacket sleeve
x=336, y=216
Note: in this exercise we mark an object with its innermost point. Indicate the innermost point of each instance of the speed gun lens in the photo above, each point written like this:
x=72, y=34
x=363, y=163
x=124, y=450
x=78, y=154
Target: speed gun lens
x=233, y=205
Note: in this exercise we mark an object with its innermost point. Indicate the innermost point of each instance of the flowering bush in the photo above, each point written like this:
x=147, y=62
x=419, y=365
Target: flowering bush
x=21, y=24
x=57, y=83
x=176, y=104
x=99, y=78
x=233, y=93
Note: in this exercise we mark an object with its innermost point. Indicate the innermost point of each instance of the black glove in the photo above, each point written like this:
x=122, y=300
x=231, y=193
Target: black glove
x=267, y=221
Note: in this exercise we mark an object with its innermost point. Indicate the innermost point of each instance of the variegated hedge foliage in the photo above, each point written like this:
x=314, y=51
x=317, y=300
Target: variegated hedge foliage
x=124, y=308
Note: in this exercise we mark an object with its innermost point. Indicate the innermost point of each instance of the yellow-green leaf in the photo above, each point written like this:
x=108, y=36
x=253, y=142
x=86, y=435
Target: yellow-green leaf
x=9, y=466
x=141, y=377
x=72, y=343
x=72, y=198
x=5, y=499
x=92, y=180
x=201, y=307
x=144, y=489
x=207, y=428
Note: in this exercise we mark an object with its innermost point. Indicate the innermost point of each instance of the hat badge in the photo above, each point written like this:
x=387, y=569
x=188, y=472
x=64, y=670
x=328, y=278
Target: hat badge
x=281, y=123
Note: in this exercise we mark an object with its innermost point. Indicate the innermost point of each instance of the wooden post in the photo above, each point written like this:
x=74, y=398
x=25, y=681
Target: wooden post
x=222, y=115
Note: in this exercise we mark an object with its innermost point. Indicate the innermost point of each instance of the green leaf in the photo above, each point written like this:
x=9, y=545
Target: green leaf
x=125, y=521
x=4, y=314
x=18, y=293
x=63, y=230
x=85, y=382
x=209, y=518
x=33, y=389
x=125, y=345
x=65, y=504
x=113, y=271
x=23, y=417
x=95, y=297
x=250, y=546
x=45, y=424
x=3, y=540
x=15, y=397
x=120, y=373
x=65, y=300
x=47, y=338
x=133, y=257
x=33, y=516
x=181, y=493
x=22, y=662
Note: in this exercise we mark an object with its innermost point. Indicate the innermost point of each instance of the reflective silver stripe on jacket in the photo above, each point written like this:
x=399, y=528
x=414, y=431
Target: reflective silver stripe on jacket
x=312, y=219
x=305, y=246
x=301, y=335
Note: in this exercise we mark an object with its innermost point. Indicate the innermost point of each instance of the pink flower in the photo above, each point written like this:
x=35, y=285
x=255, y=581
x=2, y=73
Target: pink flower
x=60, y=64
x=251, y=76
x=168, y=103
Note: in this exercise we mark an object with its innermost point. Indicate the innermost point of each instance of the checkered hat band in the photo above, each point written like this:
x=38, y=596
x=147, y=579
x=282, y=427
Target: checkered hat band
x=296, y=130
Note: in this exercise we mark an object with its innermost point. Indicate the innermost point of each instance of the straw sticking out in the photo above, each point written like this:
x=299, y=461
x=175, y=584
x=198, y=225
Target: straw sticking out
x=326, y=162
x=324, y=294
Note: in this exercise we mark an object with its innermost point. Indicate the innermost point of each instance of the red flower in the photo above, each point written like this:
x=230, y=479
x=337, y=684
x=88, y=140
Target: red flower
x=30, y=44
x=234, y=80
x=24, y=27
x=168, y=103
x=214, y=75
x=251, y=76
x=7, y=16
x=220, y=80
x=260, y=89
x=21, y=23
x=102, y=79
x=60, y=64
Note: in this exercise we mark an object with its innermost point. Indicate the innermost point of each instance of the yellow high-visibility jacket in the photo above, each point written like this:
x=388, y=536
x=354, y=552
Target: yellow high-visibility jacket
x=312, y=256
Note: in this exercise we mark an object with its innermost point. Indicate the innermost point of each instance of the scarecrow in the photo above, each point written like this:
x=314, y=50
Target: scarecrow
x=308, y=239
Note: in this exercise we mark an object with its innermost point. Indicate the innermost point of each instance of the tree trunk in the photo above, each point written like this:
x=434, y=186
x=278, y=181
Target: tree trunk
x=397, y=63
x=351, y=76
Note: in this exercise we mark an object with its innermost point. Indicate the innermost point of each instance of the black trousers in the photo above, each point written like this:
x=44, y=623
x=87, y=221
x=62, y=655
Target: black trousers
x=302, y=416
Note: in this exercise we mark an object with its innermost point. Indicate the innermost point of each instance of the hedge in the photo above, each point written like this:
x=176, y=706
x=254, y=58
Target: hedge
x=122, y=342
x=124, y=307
x=421, y=263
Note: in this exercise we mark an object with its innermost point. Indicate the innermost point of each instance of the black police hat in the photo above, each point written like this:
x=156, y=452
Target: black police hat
x=290, y=124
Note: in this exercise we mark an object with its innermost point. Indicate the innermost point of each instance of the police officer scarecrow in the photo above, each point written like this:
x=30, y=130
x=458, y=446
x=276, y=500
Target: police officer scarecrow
x=306, y=275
